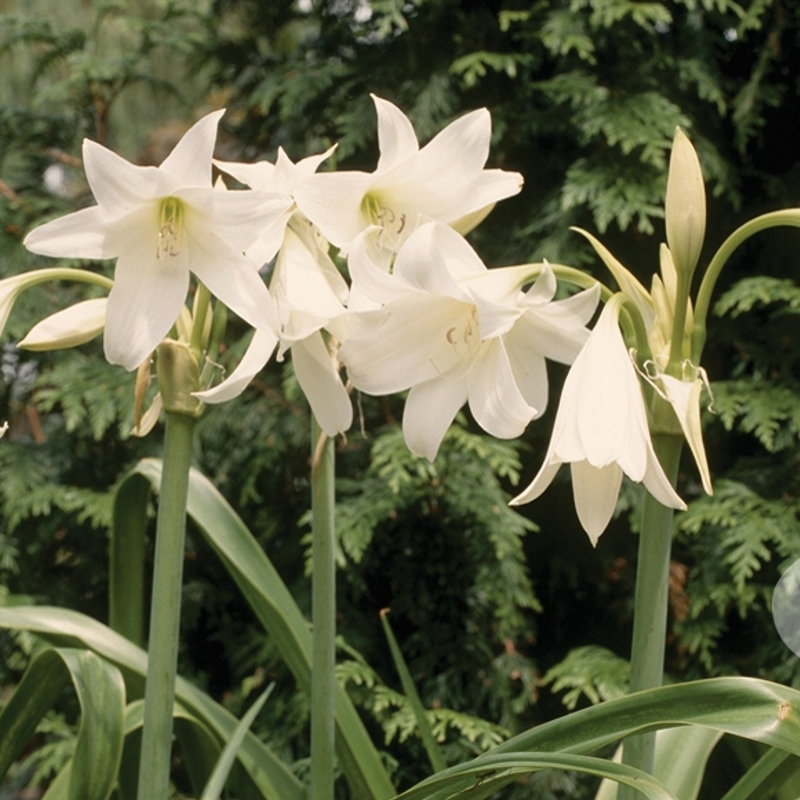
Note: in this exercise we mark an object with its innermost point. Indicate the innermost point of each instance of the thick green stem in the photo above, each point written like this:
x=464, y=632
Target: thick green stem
x=651, y=604
x=165, y=610
x=323, y=608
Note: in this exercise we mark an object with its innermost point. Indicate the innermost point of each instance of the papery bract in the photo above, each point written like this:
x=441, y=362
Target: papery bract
x=445, y=181
x=601, y=431
x=161, y=223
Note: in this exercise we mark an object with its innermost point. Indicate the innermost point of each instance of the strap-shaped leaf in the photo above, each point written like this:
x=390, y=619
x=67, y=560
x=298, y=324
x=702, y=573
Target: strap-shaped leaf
x=100, y=690
x=266, y=775
x=278, y=612
x=494, y=772
x=758, y=710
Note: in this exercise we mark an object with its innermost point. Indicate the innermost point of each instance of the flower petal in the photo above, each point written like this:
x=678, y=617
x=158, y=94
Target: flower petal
x=256, y=356
x=494, y=397
x=332, y=201
x=430, y=409
x=396, y=138
x=119, y=186
x=81, y=234
x=595, y=491
x=540, y=483
x=190, y=161
x=403, y=344
x=322, y=385
x=143, y=304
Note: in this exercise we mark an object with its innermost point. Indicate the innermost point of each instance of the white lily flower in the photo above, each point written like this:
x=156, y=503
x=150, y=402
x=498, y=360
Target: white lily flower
x=309, y=292
x=280, y=178
x=161, y=224
x=443, y=338
x=601, y=431
x=444, y=181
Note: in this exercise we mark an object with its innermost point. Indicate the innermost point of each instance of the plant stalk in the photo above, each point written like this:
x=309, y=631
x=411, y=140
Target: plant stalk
x=323, y=609
x=651, y=604
x=154, y=766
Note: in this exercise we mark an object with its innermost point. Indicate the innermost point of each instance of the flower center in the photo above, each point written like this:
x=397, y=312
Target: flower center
x=170, y=225
x=392, y=222
x=465, y=338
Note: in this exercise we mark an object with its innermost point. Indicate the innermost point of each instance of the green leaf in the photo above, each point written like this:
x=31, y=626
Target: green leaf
x=219, y=776
x=265, y=773
x=423, y=725
x=101, y=696
x=680, y=761
x=758, y=710
x=277, y=610
x=768, y=774
x=495, y=771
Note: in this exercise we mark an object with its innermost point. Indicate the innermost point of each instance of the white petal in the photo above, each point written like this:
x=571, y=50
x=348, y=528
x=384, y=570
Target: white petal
x=657, y=483
x=396, y=138
x=421, y=264
x=299, y=283
x=260, y=175
x=494, y=397
x=81, y=234
x=322, y=385
x=256, y=356
x=70, y=327
x=490, y=186
x=143, y=305
x=119, y=186
x=540, y=483
x=403, y=344
x=528, y=364
x=430, y=409
x=332, y=201
x=596, y=491
x=190, y=160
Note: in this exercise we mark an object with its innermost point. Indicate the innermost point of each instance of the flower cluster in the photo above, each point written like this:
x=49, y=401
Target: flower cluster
x=422, y=313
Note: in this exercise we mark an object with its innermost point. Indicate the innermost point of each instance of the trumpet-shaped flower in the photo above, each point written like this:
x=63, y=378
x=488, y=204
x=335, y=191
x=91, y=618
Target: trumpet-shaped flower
x=444, y=181
x=310, y=293
x=443, y=331
x=601, y=431
x=161, y=224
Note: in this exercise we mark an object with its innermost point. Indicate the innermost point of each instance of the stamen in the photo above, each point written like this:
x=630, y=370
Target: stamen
x=170, y=218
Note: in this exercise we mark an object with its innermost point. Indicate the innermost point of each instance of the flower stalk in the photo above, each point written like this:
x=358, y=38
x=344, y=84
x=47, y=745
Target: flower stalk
x=651, y=603
x=165, y=609
x=323, y=603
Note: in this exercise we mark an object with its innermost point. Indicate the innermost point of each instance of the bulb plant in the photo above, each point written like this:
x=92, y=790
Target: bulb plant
x=421, y=313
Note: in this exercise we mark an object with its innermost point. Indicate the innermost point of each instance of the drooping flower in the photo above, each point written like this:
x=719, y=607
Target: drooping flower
x=310, y=294
x=161, y=224
x=601, y=431
x=445, y=181
x=441, y=327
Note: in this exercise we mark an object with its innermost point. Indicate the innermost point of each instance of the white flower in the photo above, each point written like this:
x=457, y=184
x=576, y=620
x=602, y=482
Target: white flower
x=445, y=331
x=601, y=431
x=161, y=223
x=444, y=181
x=280, y=178
x=310, y=294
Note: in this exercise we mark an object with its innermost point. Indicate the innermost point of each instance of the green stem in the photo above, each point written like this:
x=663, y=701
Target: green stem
x=165, y=610
x=651, y=604
x=323, y=608
x=789, y=216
